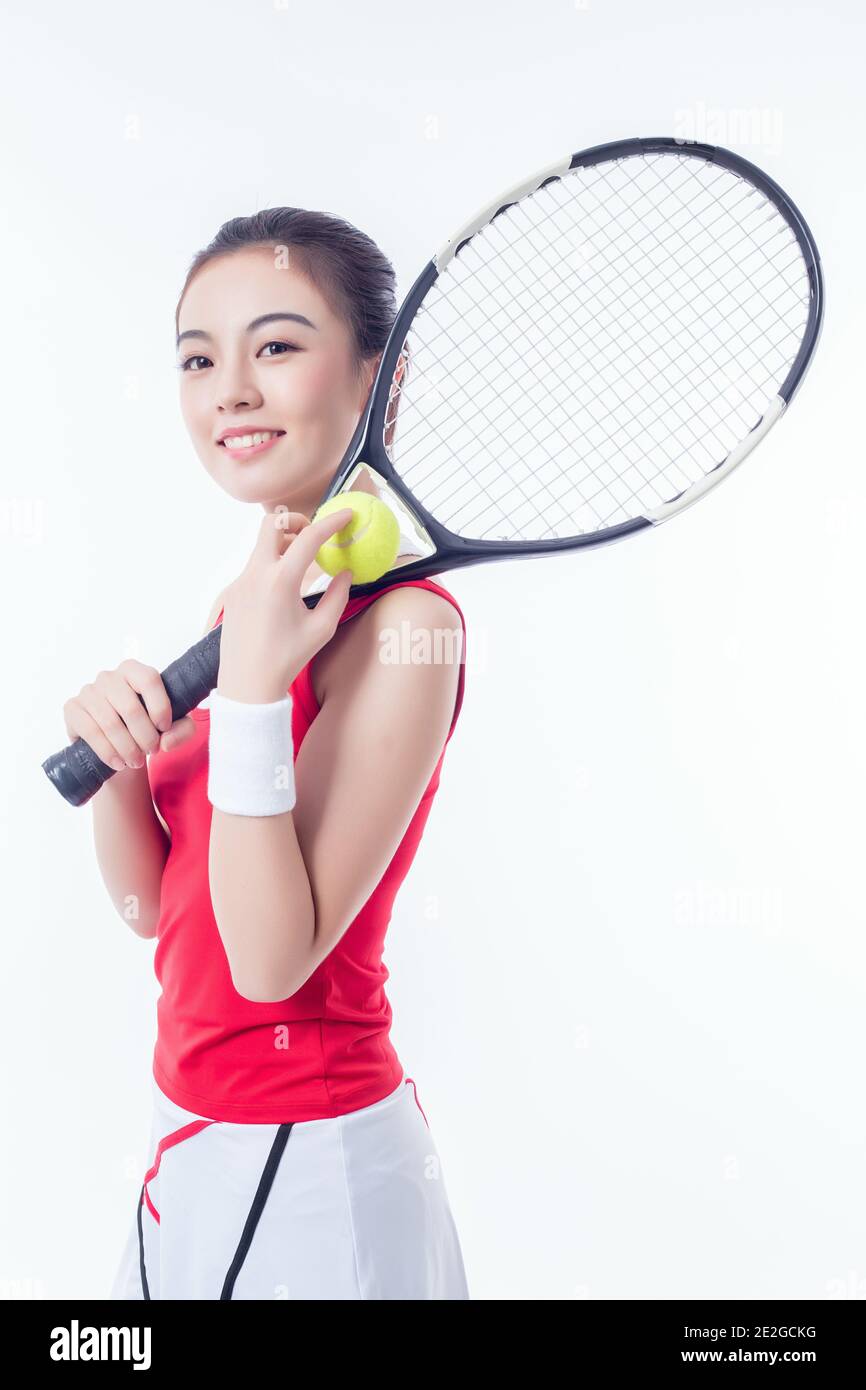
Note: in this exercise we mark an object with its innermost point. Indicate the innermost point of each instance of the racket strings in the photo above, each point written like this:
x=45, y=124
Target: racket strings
x=526, y=428
x=438, y=437
x=442, y=499
x=745, y=194
x=597, y=348
x=641, y=423
x=780, y=229
x=539, y=305
x=633, y=363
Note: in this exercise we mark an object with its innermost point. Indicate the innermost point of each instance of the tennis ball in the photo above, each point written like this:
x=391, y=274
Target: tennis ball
x=368, y=545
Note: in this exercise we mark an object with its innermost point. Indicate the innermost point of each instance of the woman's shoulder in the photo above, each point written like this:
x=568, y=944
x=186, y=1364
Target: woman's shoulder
x=420, y=598
x=408, y=617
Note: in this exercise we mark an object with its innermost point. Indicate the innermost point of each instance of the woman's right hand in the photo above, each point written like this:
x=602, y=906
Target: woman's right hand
x=111, y=718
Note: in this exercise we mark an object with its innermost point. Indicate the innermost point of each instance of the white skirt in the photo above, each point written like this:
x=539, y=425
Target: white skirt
x=352, y=1207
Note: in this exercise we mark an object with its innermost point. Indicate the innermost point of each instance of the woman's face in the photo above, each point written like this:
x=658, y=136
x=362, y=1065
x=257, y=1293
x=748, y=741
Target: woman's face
x=291, y=374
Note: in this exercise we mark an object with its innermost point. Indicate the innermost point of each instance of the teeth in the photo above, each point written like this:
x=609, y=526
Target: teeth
x=246, y=441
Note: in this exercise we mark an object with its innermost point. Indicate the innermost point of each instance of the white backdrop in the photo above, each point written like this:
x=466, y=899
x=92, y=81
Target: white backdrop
x=627, y=967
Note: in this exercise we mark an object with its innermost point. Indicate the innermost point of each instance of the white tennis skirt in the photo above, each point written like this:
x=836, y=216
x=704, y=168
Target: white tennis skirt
x=351, y=1207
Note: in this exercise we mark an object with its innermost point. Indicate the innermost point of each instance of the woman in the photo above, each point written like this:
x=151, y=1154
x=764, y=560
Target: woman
x=289, y=1155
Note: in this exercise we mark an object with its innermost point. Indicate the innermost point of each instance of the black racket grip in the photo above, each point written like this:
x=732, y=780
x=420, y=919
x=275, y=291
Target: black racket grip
x=78, y=773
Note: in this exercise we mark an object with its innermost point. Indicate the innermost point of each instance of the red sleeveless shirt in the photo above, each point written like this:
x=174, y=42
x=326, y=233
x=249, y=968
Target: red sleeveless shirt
x=318, y=1054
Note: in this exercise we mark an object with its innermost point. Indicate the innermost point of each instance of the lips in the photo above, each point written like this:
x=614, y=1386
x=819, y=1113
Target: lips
x=230, y=435
x=240, y=454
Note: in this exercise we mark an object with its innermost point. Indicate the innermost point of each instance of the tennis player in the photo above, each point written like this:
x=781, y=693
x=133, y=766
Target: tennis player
x=289, y=1155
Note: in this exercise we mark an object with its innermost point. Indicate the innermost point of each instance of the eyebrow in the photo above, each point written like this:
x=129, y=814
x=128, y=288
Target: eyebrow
x=251, y=327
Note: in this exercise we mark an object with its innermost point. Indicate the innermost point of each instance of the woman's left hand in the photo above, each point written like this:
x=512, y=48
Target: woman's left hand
x=268, y=632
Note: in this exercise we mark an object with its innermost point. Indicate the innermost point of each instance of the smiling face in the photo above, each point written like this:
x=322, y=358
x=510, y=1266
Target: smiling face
x=292, y=375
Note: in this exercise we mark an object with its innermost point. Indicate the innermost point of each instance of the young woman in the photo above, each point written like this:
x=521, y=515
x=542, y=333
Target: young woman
x=289, y=1155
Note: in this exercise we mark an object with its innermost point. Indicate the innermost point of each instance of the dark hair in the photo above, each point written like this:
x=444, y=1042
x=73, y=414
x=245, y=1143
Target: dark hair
x=344, y=264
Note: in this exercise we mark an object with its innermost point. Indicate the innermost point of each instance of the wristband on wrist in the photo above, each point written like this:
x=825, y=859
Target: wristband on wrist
x=250, y=757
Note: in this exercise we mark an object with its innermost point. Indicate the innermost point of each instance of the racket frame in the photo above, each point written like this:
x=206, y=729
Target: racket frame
x=367, y=450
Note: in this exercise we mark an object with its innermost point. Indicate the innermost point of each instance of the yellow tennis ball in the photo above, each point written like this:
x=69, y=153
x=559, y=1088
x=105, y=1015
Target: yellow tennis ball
x=368, y=545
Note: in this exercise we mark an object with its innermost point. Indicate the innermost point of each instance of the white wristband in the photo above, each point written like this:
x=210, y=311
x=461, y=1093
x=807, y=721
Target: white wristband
x=250, y=757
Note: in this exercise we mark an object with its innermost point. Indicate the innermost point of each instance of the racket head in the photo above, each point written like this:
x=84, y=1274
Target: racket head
x=590, y=353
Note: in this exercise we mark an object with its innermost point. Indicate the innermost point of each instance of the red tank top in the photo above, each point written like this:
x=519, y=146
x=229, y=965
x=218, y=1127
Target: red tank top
x=318, y=1054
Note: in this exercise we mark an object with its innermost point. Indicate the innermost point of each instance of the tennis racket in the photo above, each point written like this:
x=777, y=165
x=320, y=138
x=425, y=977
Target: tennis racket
x=586, y=357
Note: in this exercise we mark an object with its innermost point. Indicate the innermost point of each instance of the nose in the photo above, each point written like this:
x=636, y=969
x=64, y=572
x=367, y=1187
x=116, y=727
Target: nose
x=229, y=402
x=236, y=390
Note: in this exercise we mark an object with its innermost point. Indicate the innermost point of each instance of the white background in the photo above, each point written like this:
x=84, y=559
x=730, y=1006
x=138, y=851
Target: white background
x=627, y=967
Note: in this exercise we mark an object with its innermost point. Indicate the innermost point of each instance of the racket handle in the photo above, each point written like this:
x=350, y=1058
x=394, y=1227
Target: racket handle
x=78, y=773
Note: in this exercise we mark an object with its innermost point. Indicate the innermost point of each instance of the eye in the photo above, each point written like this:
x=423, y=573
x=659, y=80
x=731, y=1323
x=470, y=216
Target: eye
x=292, y=347
x=184, y=365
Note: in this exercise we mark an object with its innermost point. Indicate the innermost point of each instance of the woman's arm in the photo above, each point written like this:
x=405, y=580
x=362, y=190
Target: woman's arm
x=132, y=841
x=284, y=888
x=131, y=847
